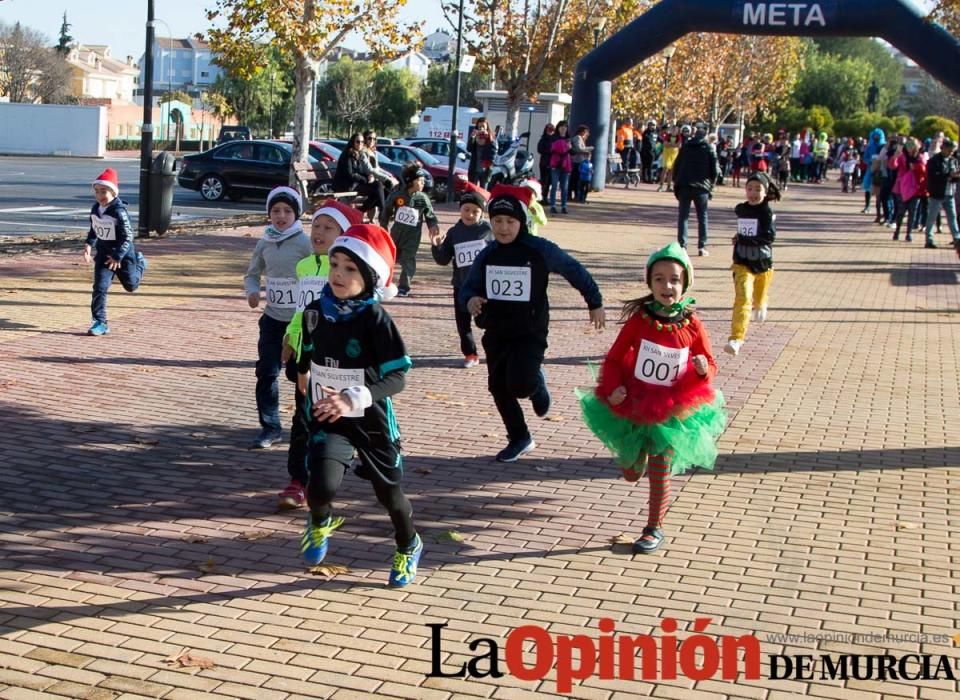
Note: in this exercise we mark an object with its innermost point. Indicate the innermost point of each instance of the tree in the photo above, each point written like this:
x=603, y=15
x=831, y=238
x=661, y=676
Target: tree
x=933, y=97
x=63, y=45
x=174, y=96
x=947, y=13
x=886, y=70
x=29, y=71
x=835, y=82
x=440, y=87
x=928, y=127
x=264, y=102
x=348, y=87
x=297, y=30
x=397, y=94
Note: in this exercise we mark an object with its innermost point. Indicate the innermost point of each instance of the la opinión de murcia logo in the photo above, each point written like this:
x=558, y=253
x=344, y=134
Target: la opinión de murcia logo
x=698, y=657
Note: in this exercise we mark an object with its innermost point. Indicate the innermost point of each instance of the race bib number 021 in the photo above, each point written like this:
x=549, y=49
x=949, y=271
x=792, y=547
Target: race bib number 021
x=508, y=283
x=105, y=227
x=309, y=290
x=747, y=228
x=408, y=216
x=282, y=292
x=337, y=379
x=465, y=253
x=660, y=365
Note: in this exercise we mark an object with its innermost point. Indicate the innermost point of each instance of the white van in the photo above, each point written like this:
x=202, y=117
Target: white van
x=435, y=122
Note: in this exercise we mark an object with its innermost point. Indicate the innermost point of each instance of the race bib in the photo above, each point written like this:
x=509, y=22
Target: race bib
x=747, y=228
x=282, y=292
x=104, y=227
x=337, y=379
x=408, y=216
x=660, y=365
x=465, y=253
x=508, y=283
x=308, y=291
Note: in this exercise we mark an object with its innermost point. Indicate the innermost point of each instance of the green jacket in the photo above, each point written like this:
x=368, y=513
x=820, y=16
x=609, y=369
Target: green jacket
x=418, y=201
x=309, y=268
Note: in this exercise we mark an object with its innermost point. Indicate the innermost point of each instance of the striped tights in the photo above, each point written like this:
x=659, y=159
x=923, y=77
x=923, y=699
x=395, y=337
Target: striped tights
x=658, y=473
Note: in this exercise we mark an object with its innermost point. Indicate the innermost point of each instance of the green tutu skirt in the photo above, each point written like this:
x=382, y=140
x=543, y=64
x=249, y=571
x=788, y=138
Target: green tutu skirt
x=692, y=438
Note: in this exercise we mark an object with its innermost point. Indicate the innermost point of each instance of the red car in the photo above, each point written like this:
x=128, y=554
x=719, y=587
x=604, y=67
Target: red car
x=436, y=168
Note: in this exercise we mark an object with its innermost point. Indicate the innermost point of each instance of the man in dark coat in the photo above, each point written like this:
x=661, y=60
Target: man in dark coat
x=694, y=175
x=648, y=151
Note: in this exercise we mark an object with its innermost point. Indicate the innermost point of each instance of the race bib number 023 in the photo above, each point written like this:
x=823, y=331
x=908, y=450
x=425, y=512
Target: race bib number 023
x=282, y=292
x=660, y=365
x=408, y=216
x=105, y=227
x=508, y=283
x=337, y=379
x=309, y=290
x=747, y=228
x=465, y=253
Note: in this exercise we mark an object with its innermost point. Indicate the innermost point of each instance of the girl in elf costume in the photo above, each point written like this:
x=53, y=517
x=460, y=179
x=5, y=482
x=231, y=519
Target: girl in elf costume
x=654, y=406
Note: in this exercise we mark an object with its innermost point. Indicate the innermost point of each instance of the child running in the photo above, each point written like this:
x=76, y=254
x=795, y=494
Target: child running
x=354, y=360
x=112, y=236
x=283, y=245
x=409, y=207
x=329, y=222
x=461, y=245
x=506, y=292
x=752, y=257
x=654, y=406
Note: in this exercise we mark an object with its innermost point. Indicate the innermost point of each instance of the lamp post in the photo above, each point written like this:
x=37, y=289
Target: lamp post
x=667, y=54
x=452, y=161
x=598, y=24
x=530, y=110
x=146, y=130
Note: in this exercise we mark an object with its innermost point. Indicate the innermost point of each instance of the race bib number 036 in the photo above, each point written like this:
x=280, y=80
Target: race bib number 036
x=465, y=253
x=508, y=283
x=337, y=379
x=282, y=292
x=309, y=291
x=747, y=228
x=105, y=228
x=408, y=216
x=660, y=365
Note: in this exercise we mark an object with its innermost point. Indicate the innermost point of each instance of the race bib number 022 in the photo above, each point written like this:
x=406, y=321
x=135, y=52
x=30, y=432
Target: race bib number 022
x=282, y=292
x=408, y=216
x=660, y=365
x=508, y=283
x=337, y=379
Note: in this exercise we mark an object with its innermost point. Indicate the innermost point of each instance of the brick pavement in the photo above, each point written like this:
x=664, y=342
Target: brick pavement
x=136, y=528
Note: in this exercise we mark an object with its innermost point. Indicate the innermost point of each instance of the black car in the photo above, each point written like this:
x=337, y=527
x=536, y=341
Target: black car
x=239, y=169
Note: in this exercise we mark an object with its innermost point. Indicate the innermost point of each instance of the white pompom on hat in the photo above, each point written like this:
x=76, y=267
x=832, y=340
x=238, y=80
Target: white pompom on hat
x=288, y=195
x=344, y=215
x=373, y=246
x=108, y=178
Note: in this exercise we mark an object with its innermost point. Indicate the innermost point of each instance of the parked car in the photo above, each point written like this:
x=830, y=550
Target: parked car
x=436, y=168
x=234, y=133
x=239, y=169
x=439, y=148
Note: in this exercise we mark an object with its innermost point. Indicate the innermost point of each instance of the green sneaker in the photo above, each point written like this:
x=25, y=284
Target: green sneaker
x=313, y=543
x=405, y=564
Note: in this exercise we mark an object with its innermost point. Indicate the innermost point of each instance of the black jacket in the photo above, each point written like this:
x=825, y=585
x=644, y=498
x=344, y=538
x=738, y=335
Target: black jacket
x=352, y=170
x=648, y=142
x=756, y=231
x=696, y=168
x=942, y=173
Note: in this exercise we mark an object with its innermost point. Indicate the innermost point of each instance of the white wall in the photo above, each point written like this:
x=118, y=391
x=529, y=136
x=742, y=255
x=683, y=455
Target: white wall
x=66, y=130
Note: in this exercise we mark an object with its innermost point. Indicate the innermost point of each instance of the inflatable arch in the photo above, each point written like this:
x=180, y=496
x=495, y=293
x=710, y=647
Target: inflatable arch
x=900, y=22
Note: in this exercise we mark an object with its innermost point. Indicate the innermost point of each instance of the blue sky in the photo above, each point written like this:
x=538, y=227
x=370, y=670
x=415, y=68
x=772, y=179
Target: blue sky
x=120, y=23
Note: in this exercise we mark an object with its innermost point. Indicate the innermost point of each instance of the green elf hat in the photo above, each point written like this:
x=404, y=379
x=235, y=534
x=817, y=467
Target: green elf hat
x=677, y=253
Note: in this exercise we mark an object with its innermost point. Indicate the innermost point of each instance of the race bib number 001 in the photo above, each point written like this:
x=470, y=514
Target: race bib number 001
x=508, y=283
x=660, y=365
x=309, y=290
x=465, y=253
x=282, y=292
x=747, y=228
x=337, y=379
x=105, y=227
x=408, y=216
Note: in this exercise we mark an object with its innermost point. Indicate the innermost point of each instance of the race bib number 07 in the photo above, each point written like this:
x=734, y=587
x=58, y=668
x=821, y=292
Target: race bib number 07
x=465, y=253
x=282, y=292
x=408, y=216
x=747, y=228
x=660, y=365
x=337, y=379
x=104, y=227
x=508, y=283
x=309, y=290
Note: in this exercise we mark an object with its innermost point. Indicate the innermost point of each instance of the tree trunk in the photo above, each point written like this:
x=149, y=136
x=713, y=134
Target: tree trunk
x=514, y=98
x=304, y=77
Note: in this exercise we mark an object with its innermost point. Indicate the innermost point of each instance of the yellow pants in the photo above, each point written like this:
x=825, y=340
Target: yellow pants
x=752, y=292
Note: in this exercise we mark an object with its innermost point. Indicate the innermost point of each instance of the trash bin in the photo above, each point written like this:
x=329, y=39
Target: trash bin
x=162, y=177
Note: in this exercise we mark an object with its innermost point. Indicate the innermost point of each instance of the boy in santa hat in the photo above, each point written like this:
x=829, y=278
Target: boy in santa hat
x=111, y=235
x=353, y=361
x=460, y=245
x=283, y=245
x=329, y=222
x=506, y=292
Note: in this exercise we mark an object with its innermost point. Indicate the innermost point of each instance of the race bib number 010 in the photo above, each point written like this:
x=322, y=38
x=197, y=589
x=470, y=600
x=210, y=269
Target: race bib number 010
x=337, y=379
x=282, y=292
x=508, y=283
x=408, y=216
x=747, y=228
x=105, y=227
x=309, y=290
x=660, y=365
x=465, y=253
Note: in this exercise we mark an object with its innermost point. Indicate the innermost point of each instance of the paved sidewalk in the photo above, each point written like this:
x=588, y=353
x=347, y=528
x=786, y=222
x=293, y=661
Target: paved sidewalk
x=135, y=528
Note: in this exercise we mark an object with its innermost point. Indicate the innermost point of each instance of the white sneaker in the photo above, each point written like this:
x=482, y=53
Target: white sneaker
x=760, y=314
x=733, y=347
x=703, y=252
x=470, y=361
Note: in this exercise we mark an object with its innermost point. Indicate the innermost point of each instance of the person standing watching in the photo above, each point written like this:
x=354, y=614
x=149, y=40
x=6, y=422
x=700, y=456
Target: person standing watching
x=943, y=172
x=694, y=176
x=648, y=151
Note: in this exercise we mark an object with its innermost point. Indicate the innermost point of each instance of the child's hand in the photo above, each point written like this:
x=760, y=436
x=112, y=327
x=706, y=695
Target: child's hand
x=333, y=407
x=112, y=264
x=87, y=258
x=700, y=364
x=475, y=305
x=734, y=239
x=436, y=238
x=253, y=299
x=287, y=351
x=618, y=396
x=302, y=383
x=598, y=317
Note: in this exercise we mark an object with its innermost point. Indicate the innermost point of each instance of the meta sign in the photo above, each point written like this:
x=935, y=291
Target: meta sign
x=793, y=15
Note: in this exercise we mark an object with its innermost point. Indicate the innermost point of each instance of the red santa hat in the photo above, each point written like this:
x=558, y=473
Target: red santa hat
x=372, y=246
x=344, y=215
x=108, y=178
x=473, y=194
x=534, y=185
x=511, y=200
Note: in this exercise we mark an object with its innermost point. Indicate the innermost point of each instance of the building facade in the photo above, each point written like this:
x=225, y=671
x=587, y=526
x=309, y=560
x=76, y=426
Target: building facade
x=181, y=64
x=98, y=75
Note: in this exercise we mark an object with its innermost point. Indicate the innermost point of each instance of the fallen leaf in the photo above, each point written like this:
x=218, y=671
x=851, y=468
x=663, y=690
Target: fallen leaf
x=621, y=539
x=556, y=419
x=195, y=539
x=908, y=526
x=454, y=403
x=484, y=413
x=328, y=571
x=423, y=470
x=207, y=374
x=436, y=397
x=209, y=566
x=145, y=441
x=449, y=536
x=252, y=535
x=185, y=659
x=546, y=469
x=247, y=235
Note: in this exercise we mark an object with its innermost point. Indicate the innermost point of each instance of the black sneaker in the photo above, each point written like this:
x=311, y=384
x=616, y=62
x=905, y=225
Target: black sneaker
x=403, y=292
x=265, y=439
x=515, y=449
x=929, y=244
x=649, y=541
x=541, y=397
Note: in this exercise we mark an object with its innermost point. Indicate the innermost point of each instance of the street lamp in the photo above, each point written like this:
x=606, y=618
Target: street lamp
x=530, y=110
x=667, y=54
x=598, y=24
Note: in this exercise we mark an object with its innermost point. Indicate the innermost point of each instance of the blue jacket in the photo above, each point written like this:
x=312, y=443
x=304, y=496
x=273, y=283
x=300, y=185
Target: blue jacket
x=875, y=143
x=516, y=286
x=116, y=240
